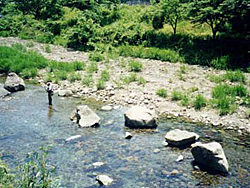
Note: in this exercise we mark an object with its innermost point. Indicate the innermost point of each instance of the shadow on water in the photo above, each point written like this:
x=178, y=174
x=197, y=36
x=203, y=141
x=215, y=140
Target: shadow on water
x=27, y=122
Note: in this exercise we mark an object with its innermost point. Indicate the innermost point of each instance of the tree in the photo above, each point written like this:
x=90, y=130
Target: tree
x=168, y=11
x=209, y=12
x=41, y=9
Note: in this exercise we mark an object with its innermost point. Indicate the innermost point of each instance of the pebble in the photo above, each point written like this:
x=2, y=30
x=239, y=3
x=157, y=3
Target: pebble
x=174, y=172
x=164, y=143
x=180, y=158
x=73, y=138
x=157, y=151
x=97, y=164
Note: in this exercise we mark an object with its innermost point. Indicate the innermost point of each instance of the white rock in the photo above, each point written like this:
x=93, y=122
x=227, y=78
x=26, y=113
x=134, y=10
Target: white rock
x=140, y=117
x=73, y=138
x=107, y=108
x=14, y=83
x=180, y=158
x=97, y=164
x=128, y=135
x=104, y=180
x=181, y=138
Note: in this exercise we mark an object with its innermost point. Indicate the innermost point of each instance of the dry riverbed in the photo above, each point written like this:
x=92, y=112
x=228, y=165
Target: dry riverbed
x=188, y=79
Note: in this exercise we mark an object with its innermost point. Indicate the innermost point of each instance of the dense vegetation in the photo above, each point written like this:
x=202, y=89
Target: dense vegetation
x=205, y=32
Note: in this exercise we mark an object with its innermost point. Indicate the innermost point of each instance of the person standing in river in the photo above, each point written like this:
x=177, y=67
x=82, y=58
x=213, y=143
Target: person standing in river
x=50, y=92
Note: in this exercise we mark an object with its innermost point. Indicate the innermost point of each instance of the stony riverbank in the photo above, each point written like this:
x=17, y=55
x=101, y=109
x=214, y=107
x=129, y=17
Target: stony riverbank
x=157, y=74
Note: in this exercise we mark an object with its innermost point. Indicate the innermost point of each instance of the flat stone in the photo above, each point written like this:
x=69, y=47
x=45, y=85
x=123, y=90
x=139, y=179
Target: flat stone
x=181, y=138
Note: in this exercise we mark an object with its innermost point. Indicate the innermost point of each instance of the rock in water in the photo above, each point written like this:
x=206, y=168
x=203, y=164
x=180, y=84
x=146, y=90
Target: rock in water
x=107, y=108
x=85, y=117
x=211, y=156
x=128, y=135
x=73, y=138
x=181, y=138
x=140, y=118
x=14, y=83
x=104, y=180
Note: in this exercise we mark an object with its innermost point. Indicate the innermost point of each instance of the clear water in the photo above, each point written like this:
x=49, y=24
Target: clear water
x=26, y=123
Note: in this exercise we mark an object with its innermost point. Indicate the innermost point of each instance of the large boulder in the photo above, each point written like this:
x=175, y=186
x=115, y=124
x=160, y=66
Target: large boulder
x=85, y=117
x=140, y=118
x=181, y=138
x=14, y=83
x=211, y=156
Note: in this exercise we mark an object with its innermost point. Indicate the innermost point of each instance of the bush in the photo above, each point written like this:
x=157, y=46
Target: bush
x=221, y=62
x=162, y=92
x=199, y=102
x=47, y=49
x=176, y=95
x=141, y=81
x=96, y=56
x=78, y=65
x=29, y=73
x=185, y=100
x=61, y=75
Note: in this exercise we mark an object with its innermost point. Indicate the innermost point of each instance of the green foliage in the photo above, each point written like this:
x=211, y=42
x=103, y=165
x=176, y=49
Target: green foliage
x=132, y=77
x=141, y=80
x=185, y=101
x=162, y=92
x=214, y=78
x=17, y=60
x=235, y=76
x=77, y=65
x=61, y=75
x=74, y=77
x=29, y=73
x=96, y=56
x=150, y=53
x=210, y=12
x=87, y=80
x=100, y=84
x=183, y=69
x=200, y=101
x=6, y=179
x=105, y=75
x=176, y=95
x=47, y=49
x=135, y=66
x=220, y=62
x=92, y=67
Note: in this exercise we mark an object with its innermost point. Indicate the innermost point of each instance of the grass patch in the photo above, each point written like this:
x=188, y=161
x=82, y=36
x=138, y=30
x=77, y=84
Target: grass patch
x=87, y=80
x=47, y=49
x=105, y=75
x=100, y=84
x=235, y=76
x=92, y=67
x=16, y=59
x=176, y=95
x=200, y=101
x=29, y=73
x=141, y=81
x=96, y=56
x=162, y=92
x=135, y=66
x=61, y=75
x=132, y=77
x=74, y=77
x=185, y=101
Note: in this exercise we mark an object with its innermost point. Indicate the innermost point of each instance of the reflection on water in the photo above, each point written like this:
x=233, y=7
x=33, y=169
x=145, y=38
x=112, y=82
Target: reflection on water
x=27, y=122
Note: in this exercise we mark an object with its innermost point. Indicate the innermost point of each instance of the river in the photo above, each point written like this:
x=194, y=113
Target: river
x=27, y=123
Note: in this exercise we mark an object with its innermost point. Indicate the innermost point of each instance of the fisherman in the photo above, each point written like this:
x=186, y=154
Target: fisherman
x=50, y=92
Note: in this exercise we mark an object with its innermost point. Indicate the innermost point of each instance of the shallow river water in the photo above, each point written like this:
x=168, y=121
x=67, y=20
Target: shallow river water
x=26, y=123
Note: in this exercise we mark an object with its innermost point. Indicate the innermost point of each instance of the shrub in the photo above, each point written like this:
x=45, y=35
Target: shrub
x=47, y=49
x=199, y=102
x=78, y=65
x=48, y=78
x=220, y=62
x=176, y=95
x=135, y=66
x=105, y=75
x=162, y=92
x=61, y=75
x=225, y=105
x=183, y=69
x=215, y=79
